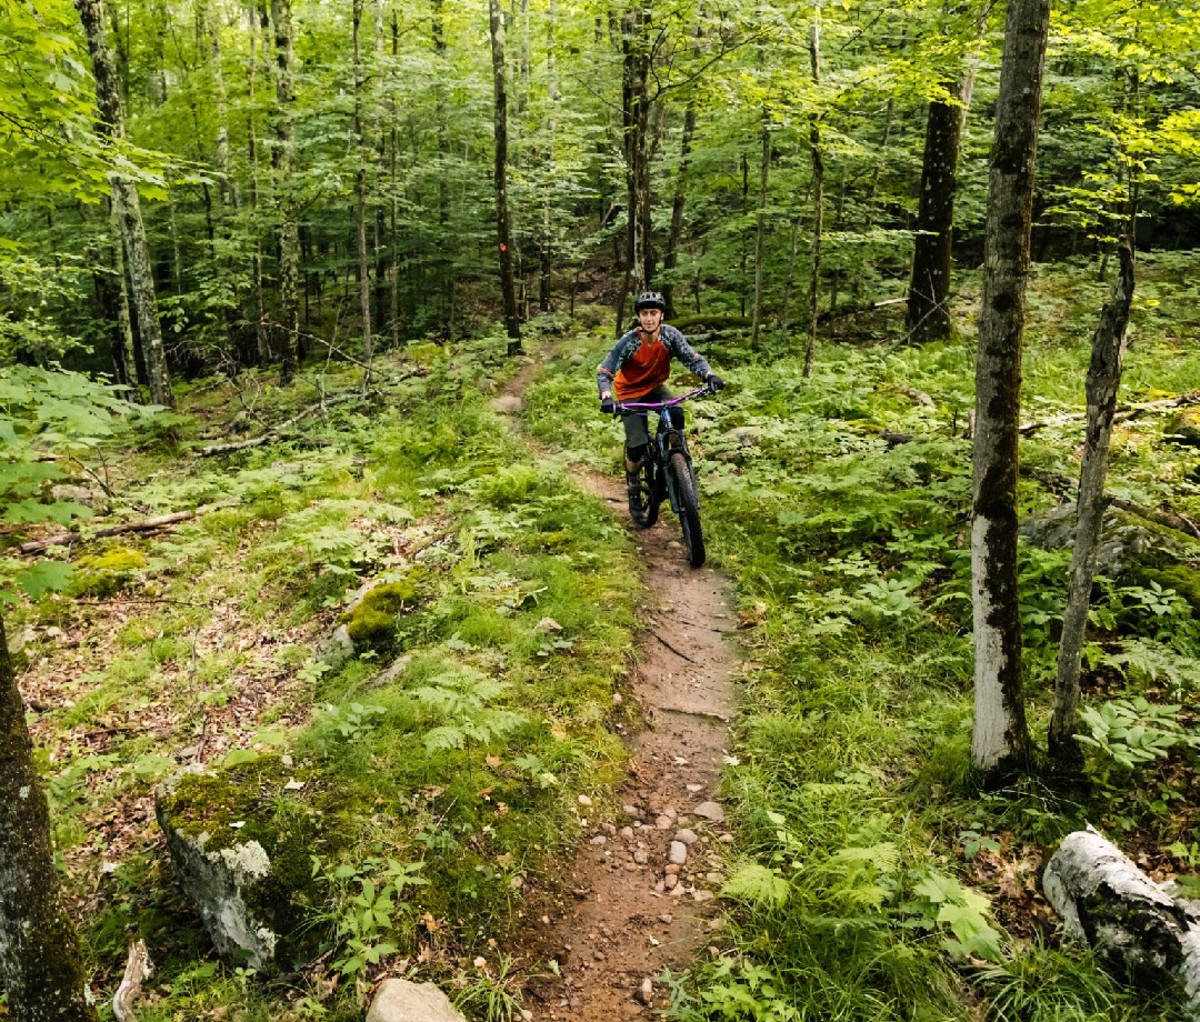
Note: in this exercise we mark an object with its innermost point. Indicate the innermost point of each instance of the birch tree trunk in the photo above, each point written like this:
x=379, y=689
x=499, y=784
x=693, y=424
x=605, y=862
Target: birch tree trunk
x=289, y=228
x=1000, y=741
x=818, y=189
x=360, y=195
x=111, y=126
x=1103, y=382
x=512, y=322
x=39, y=951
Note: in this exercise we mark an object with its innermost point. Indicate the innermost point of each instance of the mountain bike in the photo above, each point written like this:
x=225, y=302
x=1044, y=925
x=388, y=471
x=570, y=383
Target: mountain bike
x=667, y=472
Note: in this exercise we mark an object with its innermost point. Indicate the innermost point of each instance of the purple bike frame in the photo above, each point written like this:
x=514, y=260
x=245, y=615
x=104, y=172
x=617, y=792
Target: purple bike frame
x=658, y=406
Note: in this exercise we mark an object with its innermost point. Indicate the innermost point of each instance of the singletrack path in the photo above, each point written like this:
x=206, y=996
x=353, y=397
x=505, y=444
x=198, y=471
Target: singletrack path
x=629, y=908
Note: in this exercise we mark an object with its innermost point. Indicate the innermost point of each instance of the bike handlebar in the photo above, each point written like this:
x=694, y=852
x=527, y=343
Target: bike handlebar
x=658, y=406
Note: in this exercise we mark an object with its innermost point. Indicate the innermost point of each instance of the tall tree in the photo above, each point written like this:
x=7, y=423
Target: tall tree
x=635, y=111
x=127, y=206
x=1000, y=741
x=39, y=951
x=512, y=322
x=289, y=223
x=360, y=198
x=1103, y=381
x=928, y=317
x=817, y=153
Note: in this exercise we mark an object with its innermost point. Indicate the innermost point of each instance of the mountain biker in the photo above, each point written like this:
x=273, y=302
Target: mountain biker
x=637, y=368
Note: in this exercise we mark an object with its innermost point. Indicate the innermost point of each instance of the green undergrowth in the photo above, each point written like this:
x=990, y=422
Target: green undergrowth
x=871, y=879
x=420, y=785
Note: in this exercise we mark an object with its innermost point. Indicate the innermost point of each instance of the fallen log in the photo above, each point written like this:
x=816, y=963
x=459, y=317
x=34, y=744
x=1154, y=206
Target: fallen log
x=1061, y=484
x=1131, y=411
x=147, y=525
x=1138, y=930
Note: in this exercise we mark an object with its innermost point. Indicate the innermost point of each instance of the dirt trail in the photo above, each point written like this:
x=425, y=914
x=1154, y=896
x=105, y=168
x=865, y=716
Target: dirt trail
x=639, y=897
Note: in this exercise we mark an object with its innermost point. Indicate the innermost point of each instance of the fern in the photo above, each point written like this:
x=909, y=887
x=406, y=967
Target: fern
x=758, y=886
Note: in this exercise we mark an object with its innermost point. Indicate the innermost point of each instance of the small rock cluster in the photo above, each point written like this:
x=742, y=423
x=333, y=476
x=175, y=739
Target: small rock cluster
x=692, y=866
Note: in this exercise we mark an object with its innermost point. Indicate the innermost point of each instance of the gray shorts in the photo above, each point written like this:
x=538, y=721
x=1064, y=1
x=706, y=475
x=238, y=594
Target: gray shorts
x=637, y=433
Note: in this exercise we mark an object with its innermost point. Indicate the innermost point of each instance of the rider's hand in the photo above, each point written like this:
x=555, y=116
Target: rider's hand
x=607, y=407
x=714, y=382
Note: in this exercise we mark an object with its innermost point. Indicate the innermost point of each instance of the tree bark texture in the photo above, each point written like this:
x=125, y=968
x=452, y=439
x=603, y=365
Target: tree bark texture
x=635, y=106
x=671, y=258
x=128, y=210
x=360, y=195
x=760, y=230
x=512, y=322
x=1103, y=382
x=928, y=316
x=123, y=339
x=1138, y=930
x=39, y=951
x=1001, y=736
x=289, y=227
x=258, y=20
x=818, y=192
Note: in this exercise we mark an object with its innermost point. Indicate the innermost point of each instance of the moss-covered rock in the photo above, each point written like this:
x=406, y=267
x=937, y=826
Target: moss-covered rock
x=241, y=843
x=104, y=574
x=1183, y=427
x=371, y=623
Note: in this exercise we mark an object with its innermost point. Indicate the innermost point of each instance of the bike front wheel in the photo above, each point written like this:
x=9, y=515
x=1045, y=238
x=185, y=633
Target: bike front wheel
x=689, y=508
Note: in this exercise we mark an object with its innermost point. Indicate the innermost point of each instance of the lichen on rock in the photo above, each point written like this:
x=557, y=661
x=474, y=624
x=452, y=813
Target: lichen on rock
x=242, y=845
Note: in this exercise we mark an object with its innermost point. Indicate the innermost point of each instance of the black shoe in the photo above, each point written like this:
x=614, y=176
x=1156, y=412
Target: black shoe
x=633, y=489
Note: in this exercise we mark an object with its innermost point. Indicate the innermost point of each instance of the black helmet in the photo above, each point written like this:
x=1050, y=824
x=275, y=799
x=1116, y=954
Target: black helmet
x=650, y=300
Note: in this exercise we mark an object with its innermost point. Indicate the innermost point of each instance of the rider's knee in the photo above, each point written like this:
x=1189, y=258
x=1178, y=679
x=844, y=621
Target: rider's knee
x=635, y=454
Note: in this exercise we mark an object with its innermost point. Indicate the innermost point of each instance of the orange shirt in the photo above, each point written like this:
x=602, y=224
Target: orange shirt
x=648, y=367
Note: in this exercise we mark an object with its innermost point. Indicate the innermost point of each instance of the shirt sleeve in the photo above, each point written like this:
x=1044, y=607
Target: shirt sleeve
x=607, y=370
x=686, y=353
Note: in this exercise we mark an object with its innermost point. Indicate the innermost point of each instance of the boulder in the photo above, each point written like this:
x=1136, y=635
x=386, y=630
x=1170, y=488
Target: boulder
x=1137, y=928
x=242, y=859
x=1183, y=428
x=398, y=1000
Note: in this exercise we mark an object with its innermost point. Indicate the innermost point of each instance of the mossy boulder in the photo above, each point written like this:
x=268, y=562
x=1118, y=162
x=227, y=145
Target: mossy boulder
x=1183, y=428
x=241, y=841
x=107, y=573
x=371, y=622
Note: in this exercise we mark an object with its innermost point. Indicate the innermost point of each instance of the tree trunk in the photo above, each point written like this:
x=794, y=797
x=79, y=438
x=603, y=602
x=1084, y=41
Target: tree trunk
x=555, y=97
x=928, y=316
x=1103, y=381
x=126, y=354
x=671, y=258
x=289, y=228
x=760, y=230
x=1136, y=927
x=39, y=951
x=818, y=189
x=394, y=211
x=635, y=109
x=258, y=21
x=360, y=195
x=512, y=322
x=1000, y=741
x=111, y=126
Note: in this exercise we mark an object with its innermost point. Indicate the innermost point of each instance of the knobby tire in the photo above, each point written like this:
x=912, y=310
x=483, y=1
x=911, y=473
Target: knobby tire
x=689, y=509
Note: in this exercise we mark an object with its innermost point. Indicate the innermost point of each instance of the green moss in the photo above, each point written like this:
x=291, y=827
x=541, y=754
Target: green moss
x=104, y=574
x=1183, y=578
x=372, y=624
x=249, y=802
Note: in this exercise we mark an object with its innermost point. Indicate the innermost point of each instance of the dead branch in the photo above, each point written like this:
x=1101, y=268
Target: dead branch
x=1131, y=411
x=147, y=525
x=138, y=968
x=275, y=431
x=1061, y=484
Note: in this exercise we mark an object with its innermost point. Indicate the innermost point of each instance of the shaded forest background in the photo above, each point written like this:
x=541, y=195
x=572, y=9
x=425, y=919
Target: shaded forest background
x=744, y=157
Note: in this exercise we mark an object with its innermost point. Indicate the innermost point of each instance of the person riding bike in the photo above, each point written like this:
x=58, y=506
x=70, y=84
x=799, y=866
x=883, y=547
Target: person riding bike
x=637, y=368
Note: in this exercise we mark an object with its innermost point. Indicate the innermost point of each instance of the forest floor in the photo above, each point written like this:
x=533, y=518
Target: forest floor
x=638, y=897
